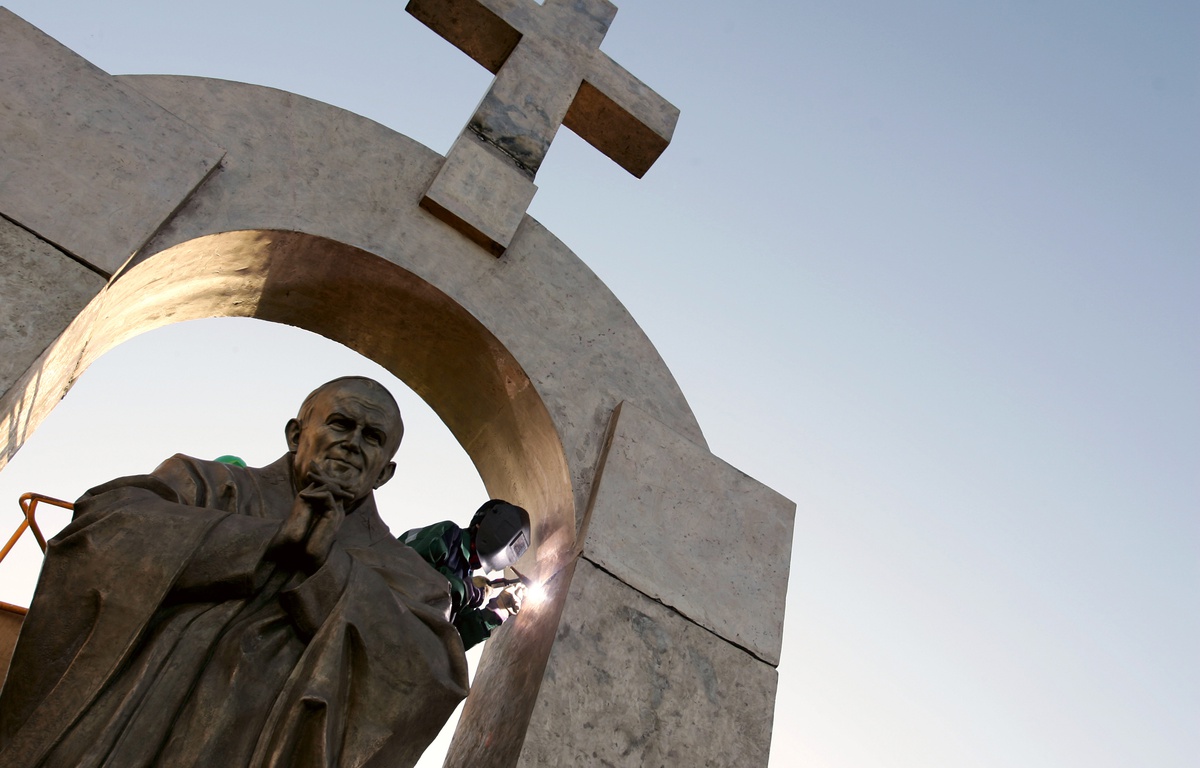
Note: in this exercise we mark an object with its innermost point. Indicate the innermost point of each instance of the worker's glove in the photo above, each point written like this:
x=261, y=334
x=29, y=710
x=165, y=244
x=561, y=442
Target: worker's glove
x=488, y=590
x=508, y=600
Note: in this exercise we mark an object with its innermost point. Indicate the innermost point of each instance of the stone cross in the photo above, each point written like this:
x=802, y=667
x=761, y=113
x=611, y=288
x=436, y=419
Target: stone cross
x=549, y=72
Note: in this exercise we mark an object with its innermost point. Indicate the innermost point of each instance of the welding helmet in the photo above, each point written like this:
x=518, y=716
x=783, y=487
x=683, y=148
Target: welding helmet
x=500, y=533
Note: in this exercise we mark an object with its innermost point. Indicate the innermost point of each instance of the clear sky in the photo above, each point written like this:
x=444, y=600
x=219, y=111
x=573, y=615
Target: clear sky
x=929, y=269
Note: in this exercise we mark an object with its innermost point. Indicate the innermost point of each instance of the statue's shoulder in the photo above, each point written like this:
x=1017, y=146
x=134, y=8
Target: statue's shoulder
x=167, y=480
x=182, y=464
x=188, y=471
x=406, y=571
x=206, y=483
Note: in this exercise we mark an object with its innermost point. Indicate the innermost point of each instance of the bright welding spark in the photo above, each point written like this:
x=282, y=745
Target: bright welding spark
x=535, y=593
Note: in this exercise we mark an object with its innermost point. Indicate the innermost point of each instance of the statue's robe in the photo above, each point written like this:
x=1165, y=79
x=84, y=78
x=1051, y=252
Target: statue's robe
x=159, y=635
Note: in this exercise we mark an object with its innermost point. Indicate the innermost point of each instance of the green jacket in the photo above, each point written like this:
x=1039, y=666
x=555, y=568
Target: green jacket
x=447, y=548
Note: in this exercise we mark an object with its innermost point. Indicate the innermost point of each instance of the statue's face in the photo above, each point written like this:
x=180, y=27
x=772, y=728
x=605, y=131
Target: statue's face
x=349, y=434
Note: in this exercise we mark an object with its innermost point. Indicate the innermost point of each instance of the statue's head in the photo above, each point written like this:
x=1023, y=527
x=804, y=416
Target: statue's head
x=349, y=430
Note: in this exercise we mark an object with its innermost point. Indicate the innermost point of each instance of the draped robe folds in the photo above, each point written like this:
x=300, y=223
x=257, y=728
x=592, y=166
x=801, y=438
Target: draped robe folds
x=160, y=635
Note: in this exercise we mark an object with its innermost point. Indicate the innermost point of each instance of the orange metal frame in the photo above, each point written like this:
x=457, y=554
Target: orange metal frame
x=29, y=502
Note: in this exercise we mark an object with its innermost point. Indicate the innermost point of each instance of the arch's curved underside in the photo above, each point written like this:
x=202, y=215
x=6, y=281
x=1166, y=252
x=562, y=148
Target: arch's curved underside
x=311, y=218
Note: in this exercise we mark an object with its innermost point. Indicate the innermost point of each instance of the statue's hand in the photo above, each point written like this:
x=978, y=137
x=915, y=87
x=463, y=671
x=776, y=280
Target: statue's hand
x=305, y=537
x=324, y=499
x=292, y=531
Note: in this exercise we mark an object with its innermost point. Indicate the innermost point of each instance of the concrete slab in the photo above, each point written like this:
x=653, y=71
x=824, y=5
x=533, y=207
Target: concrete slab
x=630, y=682
x=43, y=291
x=684, y=527
x=101, y=166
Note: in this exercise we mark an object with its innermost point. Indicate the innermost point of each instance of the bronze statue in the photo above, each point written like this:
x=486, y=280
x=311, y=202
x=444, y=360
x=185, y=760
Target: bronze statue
x=211, y=614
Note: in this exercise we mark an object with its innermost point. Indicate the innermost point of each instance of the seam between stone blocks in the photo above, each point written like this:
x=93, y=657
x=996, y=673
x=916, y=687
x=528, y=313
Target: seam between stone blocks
x=81, y=262
x=681, y=615
x=138, y=256
x=522, y=167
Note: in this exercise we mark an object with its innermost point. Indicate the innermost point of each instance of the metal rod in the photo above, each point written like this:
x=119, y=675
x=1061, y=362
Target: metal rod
x=13, y=539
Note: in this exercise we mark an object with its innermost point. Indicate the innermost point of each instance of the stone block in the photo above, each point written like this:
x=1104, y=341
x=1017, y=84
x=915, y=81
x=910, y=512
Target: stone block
x=620, y=116
x=41, y=292
x=684, y=527
x=480, y=193
x=630, y=682
x=506, y=685
x=101, y=166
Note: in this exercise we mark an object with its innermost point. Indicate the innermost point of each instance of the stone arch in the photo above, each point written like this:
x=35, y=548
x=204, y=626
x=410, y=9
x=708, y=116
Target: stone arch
x=380, y=310
x=243, y=200
x=372, y=306
x=524, y=358
x=293, y=165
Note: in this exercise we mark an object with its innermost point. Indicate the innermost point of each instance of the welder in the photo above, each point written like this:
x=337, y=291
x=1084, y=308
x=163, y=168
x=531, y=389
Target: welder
x=495, y=539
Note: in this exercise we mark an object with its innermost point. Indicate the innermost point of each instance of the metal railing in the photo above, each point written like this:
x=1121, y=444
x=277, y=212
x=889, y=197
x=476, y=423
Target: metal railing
x=29, y=503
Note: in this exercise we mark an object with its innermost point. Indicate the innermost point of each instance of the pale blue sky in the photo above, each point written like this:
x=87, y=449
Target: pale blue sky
x=929, y=269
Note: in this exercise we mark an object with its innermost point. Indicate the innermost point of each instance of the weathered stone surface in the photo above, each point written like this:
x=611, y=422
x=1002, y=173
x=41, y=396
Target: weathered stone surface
x=100, y=166
x=684, y=527
x=491, y=730
x=479, y=192
x=631, y=683
x=622, y=117
x=42, y=291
